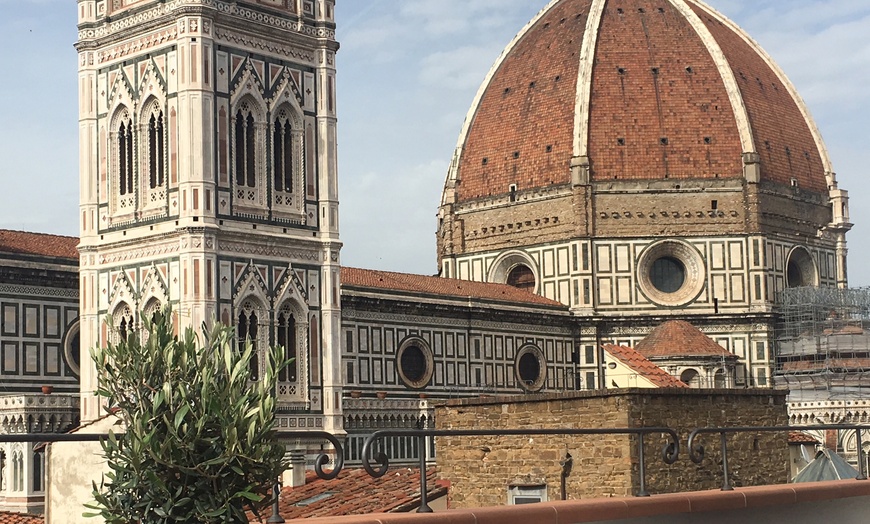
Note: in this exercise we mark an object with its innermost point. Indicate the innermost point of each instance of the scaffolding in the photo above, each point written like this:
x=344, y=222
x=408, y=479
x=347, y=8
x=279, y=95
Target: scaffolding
x=822, y=345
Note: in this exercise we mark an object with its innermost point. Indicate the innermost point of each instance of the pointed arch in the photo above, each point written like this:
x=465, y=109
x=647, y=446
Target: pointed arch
x=153, y=140
x=251, y=282
x=123, y=322
x=122, y=148
x=252, y=324
x=291, y=333
x=248, y=125
x=154, y=289
x=152, y=83
x=287, y=142
x=122, y=290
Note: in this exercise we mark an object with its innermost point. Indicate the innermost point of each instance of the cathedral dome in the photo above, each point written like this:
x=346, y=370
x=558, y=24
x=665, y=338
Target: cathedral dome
x=639, y=90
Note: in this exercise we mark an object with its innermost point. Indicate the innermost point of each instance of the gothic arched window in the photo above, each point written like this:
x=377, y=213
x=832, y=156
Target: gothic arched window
x=123, y=321
x=156, y=158
x=286, y=338
x=282, y=152
x=17, y=471
x=248, y=329
x=125, y=137
x=245, y=147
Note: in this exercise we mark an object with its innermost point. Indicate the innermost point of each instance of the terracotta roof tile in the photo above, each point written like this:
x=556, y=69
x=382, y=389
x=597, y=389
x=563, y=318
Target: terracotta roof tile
x=354, y=492
x=437, y=286
x=799, y=437
x=20, y=518
x=781, y=132
x=39, y=244
x=644, y=367
x=678, y=338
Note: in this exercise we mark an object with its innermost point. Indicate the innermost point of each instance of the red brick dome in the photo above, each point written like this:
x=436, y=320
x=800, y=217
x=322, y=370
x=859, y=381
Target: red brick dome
x=641, y=90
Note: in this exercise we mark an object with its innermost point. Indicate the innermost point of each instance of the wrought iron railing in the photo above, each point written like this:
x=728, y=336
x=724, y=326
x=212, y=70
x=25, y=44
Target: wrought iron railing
x=320, y=462
x=376, y=462
x=697, y=451
x=670, y=452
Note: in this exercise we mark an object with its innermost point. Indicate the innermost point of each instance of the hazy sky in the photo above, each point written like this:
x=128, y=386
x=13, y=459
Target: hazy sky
x=408, y=71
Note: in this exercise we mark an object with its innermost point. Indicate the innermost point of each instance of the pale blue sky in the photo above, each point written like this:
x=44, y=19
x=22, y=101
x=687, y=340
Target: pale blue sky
x=408, y=71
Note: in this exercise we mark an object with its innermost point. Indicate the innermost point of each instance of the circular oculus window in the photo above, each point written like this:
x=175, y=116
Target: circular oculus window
x=670, y=273
x=415, y=363
x=530, y=368
x=72, y=348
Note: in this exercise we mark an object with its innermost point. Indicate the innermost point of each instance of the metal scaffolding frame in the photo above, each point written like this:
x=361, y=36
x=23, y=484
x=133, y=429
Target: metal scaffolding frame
x=822, y=345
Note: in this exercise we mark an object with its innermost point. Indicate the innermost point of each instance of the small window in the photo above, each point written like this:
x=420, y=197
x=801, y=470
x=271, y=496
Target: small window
x=762, y=377
x=590, y=354
x=590, y=380
x=527, y=494
x=760, y=352
x=37, y=472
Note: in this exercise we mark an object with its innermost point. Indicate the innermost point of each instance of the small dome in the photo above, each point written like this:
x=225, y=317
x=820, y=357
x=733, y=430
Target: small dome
x=639, y=90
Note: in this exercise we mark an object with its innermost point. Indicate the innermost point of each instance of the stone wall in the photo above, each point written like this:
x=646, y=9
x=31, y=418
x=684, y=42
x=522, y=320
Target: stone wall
x=481, y=469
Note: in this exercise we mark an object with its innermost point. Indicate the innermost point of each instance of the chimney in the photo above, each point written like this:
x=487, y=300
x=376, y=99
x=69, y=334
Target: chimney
x=295, y=476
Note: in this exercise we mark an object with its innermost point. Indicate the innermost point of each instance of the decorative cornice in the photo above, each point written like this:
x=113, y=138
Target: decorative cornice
x=357, y=315
x=246, y=40
x=36, y=291
x=180, y=7
x=293, y=254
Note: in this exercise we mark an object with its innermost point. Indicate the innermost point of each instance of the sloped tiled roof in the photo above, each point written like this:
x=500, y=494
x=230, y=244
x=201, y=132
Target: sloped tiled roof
x=354, y=492
x=678, y=338
x=799, y=437
x=437, y=286
x=20, y=518
x=644, y=367
x=39, y=244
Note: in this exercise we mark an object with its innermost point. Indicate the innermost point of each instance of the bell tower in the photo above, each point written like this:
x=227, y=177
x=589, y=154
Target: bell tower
x=209, y=181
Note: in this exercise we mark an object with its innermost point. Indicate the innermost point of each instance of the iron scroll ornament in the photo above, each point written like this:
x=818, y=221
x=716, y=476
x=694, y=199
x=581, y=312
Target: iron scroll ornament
x=697, y=451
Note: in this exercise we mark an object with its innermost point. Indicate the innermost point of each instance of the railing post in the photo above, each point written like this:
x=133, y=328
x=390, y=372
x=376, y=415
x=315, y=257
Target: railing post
x=640, y=456
x=862, y=475
x=276, y=512
x=726, y=481
x=424, y=503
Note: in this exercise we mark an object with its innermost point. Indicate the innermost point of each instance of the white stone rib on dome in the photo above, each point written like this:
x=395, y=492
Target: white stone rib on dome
x=584, y=78
x=811, y=123
x=741, y=115
x=469, y=117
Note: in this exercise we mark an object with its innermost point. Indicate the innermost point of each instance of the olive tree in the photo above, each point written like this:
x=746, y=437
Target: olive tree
x=198, y=441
